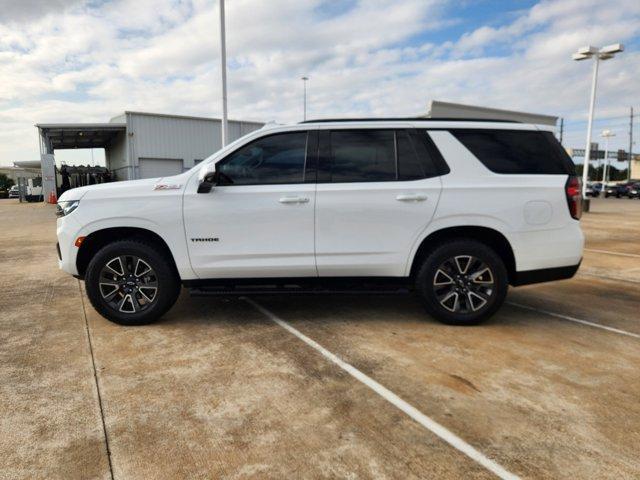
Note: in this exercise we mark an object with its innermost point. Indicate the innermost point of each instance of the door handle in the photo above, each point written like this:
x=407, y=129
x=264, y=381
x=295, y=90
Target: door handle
x=411, y=197
x=293, y=200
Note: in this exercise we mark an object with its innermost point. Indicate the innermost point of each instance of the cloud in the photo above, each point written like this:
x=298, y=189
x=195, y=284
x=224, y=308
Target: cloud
x=92, y=60
x=23, y=10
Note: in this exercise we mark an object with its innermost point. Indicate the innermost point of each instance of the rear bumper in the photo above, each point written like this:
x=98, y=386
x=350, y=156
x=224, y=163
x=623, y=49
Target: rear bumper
x=528, y=277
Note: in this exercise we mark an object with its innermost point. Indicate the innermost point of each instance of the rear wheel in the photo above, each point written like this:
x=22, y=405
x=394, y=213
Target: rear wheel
x=462, y=282
x=131, y=282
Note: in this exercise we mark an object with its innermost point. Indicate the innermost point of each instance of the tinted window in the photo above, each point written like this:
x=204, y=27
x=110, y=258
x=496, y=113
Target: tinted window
x=363, y=156
x=409, y=165
x=417, y=157
x=270, y=160
x=513, y=151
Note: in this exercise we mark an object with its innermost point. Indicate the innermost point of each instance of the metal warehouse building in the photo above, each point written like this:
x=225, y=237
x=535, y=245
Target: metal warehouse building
x=143, y=145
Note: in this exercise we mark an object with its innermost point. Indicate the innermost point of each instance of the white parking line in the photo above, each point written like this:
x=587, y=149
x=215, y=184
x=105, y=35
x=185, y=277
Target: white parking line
x=608, y=252
x=575, y=320
x=431, y=425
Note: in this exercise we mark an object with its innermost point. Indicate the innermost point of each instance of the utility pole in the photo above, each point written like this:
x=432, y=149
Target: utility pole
x=630, y=144
x=304, y=82
x=223, y=68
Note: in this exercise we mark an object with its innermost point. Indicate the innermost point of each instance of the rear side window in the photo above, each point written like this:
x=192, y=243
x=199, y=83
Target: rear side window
x=363, y=156
x=380, y=156
x=517, y=151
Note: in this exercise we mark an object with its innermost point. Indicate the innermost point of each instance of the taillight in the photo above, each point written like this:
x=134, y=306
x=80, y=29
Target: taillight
x=573, y=189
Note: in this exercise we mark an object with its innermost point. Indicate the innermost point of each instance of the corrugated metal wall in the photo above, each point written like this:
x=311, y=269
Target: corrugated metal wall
x=116, y=157
x=179, y=138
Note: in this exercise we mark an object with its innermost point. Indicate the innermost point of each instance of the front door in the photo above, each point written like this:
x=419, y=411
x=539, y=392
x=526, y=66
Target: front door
x=377, y=191
x=259, y=221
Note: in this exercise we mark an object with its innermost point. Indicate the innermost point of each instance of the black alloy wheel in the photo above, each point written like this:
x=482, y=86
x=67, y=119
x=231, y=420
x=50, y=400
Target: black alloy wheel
x=462, y=282
x=132, y=282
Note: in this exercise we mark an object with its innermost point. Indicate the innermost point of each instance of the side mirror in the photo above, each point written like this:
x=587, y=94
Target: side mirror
x=207, y=179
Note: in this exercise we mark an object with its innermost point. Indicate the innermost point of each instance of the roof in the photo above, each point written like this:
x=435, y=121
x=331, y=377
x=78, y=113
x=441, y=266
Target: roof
x=20, y=168
x=465, y=112
x=188, y=117
x=407, y=119
x=80, y=135
x=28, y=164
x=80, y=125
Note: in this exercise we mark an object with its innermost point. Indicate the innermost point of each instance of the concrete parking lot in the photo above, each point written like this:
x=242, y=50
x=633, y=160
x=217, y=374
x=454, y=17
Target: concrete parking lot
x=228, y=388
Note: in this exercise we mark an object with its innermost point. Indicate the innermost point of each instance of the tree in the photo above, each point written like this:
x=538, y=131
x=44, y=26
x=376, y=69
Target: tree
x=5, y=182
x=595, y=173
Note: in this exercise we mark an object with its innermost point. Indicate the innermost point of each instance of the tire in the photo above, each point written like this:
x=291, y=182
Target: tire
x=471, y=300
x=131, y=282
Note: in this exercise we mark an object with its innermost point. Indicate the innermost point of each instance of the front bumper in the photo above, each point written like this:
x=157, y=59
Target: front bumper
x=67, y=231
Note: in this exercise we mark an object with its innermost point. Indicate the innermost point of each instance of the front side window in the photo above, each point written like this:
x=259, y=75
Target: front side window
x=363, y=156
x=275, y=159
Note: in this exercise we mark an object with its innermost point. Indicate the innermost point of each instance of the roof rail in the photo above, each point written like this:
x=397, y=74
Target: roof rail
x=408, y=119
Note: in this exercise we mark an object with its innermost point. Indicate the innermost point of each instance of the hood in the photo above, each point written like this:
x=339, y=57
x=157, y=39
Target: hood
x=111, y=189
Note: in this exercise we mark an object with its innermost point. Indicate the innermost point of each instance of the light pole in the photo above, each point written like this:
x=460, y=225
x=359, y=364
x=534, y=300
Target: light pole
x=606, y=134
x=223, y=69
x=304, y=98
x=584, y=53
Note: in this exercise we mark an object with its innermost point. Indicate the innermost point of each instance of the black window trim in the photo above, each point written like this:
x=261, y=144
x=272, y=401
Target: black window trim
x=307, y=163
x=440, y=167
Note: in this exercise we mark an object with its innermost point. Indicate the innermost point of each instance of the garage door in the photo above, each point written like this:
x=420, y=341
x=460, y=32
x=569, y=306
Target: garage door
x=159, y=167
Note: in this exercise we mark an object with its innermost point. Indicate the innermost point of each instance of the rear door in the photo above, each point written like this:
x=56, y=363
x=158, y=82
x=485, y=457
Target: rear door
x=377, y=190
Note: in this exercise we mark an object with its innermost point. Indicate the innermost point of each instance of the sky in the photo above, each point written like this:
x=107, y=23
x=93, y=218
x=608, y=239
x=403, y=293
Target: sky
x=89, y=60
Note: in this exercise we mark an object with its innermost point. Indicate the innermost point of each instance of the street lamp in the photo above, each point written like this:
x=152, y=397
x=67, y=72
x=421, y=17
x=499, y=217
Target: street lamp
x=606, y=134
x=304, y=83
x=223, y=69
x=597, y=54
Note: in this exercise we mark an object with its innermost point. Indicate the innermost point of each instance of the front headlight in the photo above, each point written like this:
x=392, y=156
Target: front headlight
x=65, y=208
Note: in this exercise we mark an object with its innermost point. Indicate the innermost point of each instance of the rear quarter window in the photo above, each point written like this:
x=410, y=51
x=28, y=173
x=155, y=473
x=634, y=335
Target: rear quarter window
x=517, y=151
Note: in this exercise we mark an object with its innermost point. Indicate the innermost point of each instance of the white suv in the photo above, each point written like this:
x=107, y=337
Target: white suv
x=451, y=210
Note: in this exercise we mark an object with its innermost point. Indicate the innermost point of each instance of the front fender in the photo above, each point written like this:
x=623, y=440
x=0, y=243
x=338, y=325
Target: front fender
x=171, y=232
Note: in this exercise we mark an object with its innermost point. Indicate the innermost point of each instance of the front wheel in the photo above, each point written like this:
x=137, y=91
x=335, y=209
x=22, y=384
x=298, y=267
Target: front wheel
x=131, y=282
x=462, y=282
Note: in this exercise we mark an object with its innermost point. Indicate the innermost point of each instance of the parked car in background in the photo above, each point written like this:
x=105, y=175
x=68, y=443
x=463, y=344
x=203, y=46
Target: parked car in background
x=617, y=191
x=14, y=192
x=613, y=190
x=593, y=189
x=633, y=190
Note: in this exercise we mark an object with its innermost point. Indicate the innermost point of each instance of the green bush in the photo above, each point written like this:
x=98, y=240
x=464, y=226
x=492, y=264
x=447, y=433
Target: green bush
x=5, y=182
